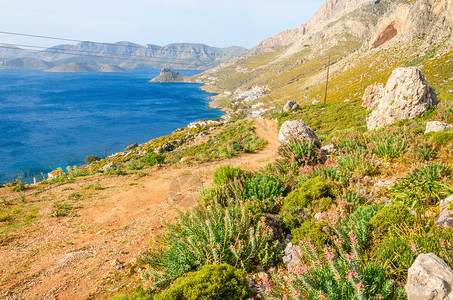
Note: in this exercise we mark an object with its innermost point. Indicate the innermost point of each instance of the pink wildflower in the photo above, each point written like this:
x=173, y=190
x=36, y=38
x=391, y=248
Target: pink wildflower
x=329, y=255
x=353, y=238
x=360, y=285
x=351, y=274
x=442, y=244
x=207, y=221
x=296, y=293
x=414, y=248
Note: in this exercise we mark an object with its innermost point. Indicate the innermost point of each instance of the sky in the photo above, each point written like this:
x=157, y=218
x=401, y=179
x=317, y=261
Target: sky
x=215, y=23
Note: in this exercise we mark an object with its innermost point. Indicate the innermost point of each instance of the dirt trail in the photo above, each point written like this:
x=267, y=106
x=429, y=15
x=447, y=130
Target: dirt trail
x=93, y=254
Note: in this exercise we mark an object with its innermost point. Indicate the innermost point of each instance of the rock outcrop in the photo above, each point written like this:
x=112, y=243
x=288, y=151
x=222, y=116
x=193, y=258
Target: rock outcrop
x=372, y=95
x=429, y=278
x=167, y=76
x=291, y=105
x=406, y=95
x=445, y=218
x=299, y=130
x=436, y=126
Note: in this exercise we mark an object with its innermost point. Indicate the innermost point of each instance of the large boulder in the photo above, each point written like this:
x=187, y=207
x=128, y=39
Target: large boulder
x=372, y=95
x=291, y=105
x=299, y=130
x=429, y=278
x=436, y=126
x=406, y=95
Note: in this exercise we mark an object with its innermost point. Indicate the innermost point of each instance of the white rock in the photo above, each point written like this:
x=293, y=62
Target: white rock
x=406, y=95
x=297, y=129
x=315, y=102
x=429, y=278
x=291, y=105
x=436, y=126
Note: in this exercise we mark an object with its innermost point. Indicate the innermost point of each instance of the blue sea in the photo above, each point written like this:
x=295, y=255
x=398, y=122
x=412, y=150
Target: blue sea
x=51, y=120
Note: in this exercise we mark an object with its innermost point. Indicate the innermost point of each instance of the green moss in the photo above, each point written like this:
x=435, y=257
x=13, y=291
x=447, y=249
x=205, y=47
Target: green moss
x=310, y=230
x=392, y=215
x=315, y=195
x=212, y=282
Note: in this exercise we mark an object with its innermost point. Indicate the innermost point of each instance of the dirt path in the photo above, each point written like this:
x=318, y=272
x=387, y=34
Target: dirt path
x=93, y=254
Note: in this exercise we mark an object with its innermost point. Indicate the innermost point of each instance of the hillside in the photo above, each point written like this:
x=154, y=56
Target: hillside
x=125, y=55
x=365, y=41
x=166, y=76
x=77, y=67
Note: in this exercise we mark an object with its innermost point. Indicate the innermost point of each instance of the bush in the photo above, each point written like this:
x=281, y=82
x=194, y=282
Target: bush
x=227, y=173
x=208, y=235
x=152, y=159
x=422, y=186
x=390, y=216
x=315, y=195
x=310, y=230
x=16, y=185
x=211, y=282
x=359, y=221
x=92, y=158
x=390, y=146
x=296, y=153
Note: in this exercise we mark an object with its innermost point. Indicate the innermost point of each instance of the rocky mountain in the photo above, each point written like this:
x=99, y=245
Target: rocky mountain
x=166, y=76
x=128, y=55
x=77, y=67
x=365, y=41
x=28, y=63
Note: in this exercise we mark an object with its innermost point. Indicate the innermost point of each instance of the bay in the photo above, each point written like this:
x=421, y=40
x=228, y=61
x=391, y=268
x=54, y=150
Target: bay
x=51, y=120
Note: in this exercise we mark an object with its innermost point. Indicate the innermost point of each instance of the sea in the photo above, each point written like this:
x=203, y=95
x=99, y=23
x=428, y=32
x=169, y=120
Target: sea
x=51, y=120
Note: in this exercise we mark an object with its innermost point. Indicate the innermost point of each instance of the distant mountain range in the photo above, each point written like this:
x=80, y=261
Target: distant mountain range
x=124, y=55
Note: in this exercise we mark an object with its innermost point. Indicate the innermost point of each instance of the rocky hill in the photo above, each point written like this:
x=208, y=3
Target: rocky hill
x=365, y=41
x=166, y=76
x=126, y=55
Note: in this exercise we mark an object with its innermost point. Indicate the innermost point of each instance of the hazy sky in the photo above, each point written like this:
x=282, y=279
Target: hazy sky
x=216, y=23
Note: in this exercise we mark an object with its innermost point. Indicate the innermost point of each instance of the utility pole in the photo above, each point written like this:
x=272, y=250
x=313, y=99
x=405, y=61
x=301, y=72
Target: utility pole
x=327, y=82
x=105, y=152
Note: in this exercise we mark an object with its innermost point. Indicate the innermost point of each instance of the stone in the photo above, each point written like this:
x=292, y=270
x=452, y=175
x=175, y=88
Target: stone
x=276, y=225
x=119, y=267
x=372, y=95
x=429, y=278
x=406, y=96
x=445, y=219
x=132, y=146
x=109, y=166
x=297, y=129
x=291, y=105
x=290, y=259
x=327, y=149
x=437, y=126
x=386, y=183
x=315, y=102
x=446, y=203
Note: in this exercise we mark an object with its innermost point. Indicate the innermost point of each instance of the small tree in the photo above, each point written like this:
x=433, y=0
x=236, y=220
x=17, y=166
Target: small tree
x=92, y=158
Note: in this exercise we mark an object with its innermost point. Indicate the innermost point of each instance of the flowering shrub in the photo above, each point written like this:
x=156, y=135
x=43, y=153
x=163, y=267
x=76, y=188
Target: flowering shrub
x=336, y=274
x=227, y=173
x=390, y=145
x=207, y=235
x=390, y=216
x=359, y=162
x=296, y=153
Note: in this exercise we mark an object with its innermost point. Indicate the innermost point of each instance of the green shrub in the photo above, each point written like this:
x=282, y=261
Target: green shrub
x=441, y=138
x=61, y=209
x=390, y=146
x=16, y=185
x=227, y=173
x=315, y=195
x=208, y=235
x=358, y=162
x=422, y=186
x=152, y=159
x=310, y=230
x=392, y=215
x=359, y=221
x=211, y=282
x=92, y=158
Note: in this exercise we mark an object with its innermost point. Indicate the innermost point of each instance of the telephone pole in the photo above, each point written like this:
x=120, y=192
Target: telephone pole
x=327, y=82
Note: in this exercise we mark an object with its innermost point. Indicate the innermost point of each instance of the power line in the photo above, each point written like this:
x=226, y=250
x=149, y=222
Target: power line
x=102, y=56
x=100, y=43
